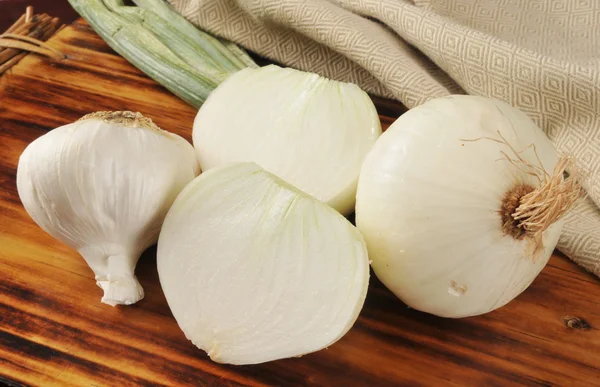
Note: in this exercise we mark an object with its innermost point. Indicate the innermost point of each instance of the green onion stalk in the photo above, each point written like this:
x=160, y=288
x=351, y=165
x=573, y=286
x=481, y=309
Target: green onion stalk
x=189, y=62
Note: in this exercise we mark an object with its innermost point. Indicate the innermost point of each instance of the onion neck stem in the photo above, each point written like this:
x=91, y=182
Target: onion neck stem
x=115, y=275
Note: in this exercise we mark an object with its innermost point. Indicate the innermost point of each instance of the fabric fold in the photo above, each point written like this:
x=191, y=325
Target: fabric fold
x=541, y=57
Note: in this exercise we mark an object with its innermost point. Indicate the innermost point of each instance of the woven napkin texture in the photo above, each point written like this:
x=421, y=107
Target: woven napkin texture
x=540, y=56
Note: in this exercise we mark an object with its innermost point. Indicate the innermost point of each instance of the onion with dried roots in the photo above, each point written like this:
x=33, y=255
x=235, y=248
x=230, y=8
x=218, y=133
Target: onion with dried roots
x=461, y=204
x=255, y=270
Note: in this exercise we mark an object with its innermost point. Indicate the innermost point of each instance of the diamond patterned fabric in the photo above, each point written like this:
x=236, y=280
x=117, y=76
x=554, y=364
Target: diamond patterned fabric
x=541, y=56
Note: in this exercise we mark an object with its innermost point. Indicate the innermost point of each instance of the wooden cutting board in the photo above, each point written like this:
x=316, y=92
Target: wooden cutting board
x=55, y=332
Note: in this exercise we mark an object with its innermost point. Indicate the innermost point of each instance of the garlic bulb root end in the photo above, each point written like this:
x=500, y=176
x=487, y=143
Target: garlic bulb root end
x=125, y=118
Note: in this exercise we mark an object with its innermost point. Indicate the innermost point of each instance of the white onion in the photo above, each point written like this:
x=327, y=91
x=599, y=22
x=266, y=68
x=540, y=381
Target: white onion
x=255, y=270
x=310, y=131
x=428, y=205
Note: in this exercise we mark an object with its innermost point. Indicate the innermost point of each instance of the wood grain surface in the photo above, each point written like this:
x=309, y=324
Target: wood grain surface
x=55, y=332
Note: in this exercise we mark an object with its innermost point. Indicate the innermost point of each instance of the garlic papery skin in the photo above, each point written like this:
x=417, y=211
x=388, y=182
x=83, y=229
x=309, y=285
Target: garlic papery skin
x=310, y=131
x=103, y=185
x=430, y=203
x=255, y=270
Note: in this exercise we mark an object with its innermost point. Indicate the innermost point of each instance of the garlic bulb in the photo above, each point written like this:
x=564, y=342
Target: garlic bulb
x=103, y=185
x=255, y=270
x=460, y=203
x=310, y=131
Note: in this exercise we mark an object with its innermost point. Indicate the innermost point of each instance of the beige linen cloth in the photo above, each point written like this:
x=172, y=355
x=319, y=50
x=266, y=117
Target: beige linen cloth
x=542, y=56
